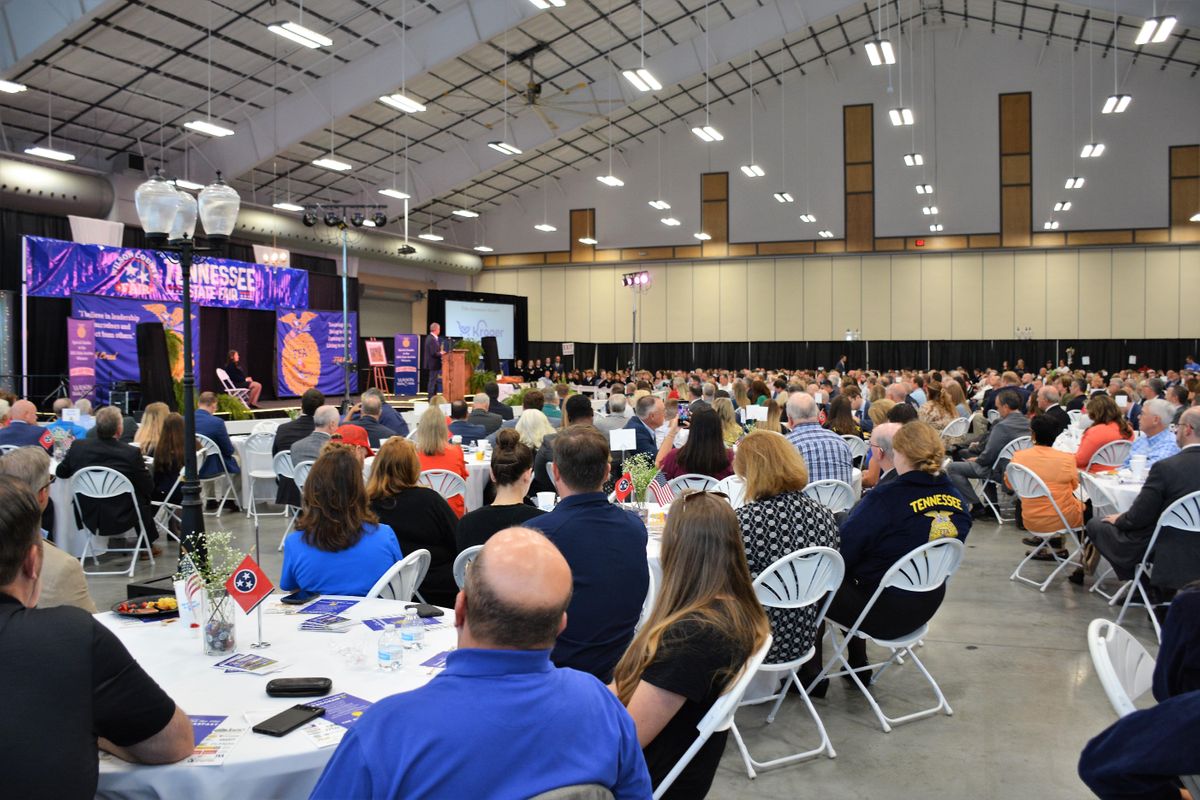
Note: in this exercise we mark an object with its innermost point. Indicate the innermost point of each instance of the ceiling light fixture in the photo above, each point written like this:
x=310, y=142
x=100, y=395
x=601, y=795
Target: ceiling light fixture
x=880, y=52
x=506, y=148
x=660, y=205
x=329, y=162
x=808, y=218
x=48, y=151
x=929, y=210
x=1062, y=205
x=1092, y=150
x=826, y=234
x=544, y=4
x=208, y=128
x=395, y=194
x=296, y=32
x=1155, y=30
x=192, y=185
x=402, y=102
x=587, y=240
x=1074, y=182
x=545, y=227
x=784, y=197
x=706, y=132
x=753, y=171
x=288, y=207
x=641, y=78
x=483, y=248
x=8, y=87
x=914, y=160
x=466, y=213
x=702, y=236
x=610, y=180
x=429, y=235
x=935, y=227
x=901, y=116
x=1050, y=225
x=924, y=188
x=669, y=221
x=1116, y=102
x=1195, y=217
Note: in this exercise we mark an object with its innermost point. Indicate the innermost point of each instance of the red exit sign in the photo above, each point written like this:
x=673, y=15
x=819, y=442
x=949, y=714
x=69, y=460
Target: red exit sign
x=920, y=243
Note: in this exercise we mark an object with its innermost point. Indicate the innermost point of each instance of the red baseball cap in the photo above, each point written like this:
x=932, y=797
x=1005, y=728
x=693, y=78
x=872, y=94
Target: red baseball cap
x=353, y=434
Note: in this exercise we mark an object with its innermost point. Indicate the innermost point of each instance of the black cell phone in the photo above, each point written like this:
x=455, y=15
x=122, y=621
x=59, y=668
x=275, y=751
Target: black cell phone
x=288, y=721
x=300, y=598
x=424, y=610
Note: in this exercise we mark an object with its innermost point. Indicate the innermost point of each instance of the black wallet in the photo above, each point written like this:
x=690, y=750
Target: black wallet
x=299, y=687
x=425, y=610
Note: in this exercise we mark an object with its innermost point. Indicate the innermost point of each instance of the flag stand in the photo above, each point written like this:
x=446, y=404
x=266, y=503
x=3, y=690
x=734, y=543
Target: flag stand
x=260, y=644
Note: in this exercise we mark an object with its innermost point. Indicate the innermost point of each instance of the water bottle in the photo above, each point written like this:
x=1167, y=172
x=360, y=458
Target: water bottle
x=413, y=631
x=391, y=649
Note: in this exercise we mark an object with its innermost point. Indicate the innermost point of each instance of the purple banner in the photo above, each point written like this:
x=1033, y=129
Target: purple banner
x=408, y=349
x=65, y=269
x=309, y=348
x=81, y=357
x=115, y=322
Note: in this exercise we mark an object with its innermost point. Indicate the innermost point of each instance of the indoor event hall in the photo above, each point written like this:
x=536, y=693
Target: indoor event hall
x=600, y=399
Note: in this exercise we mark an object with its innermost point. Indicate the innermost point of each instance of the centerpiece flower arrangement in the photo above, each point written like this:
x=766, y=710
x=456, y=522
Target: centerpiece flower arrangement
x=641, y=471
x=212, y=568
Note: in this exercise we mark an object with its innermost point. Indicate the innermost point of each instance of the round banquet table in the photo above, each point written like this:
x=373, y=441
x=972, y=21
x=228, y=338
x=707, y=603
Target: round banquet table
x=1119, y=491
x=258, y=765
x=478, y=475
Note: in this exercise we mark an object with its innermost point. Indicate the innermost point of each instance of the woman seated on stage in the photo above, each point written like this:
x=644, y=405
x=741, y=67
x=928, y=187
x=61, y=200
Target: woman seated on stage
x=435, y=451
x=241, y=380
x=1109, y=424
x=705, y=624
x=512, y=472
x=704, y=452
x=420, y=517
x=338, y=546
x=151, y=428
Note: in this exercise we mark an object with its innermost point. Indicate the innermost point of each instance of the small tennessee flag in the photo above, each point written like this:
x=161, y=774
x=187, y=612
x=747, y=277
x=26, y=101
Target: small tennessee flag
x=624, y=487
x=249, y=585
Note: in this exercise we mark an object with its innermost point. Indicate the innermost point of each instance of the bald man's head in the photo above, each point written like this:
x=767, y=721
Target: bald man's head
x=516, y=593
x=24, y=411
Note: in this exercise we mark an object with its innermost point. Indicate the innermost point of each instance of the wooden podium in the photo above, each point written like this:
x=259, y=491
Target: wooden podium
x=454, y=375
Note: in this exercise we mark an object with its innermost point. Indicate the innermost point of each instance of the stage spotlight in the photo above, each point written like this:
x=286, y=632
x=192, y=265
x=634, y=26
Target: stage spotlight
x=332, y=219
x=357, y=219
x=407, y=250
x=309, y=219
x=380, y=219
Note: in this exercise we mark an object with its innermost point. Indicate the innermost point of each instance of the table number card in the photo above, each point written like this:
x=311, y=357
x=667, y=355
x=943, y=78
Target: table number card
x=622, y=439
x=756, y=412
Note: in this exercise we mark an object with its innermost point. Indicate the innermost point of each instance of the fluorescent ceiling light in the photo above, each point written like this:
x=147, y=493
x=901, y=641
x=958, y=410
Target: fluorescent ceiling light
x=610, y=180
x=46, y=152
x=1050, y=225
x=483, y=248
x=670, y=221
x=300, y=35
x=1062, y=205
x=195, y=187
x=659, y=205
x=935, y=227
x=587, y=240
x=1092, y=150
x=287, y=207
x=394, y=193
x=807, y=218
x=1196, y=217
x=544, y=4
x=1116, y=104
x=208, y=128
x=430, y=236
x=924, y=188
x=901, y=116
x=545, y=227
x=707, y=133
x=506, y=148
x=914, y=160
x=929, y=210
x=642, y=80
x=825, y=234
x=880, y=52
x=1074, y=183
x=784, y=197
x=1155, y=30
x=329, y=162
x=9, y=87
x=465, y=212
x=702, y=236
x=752, y=171
x=402, y=103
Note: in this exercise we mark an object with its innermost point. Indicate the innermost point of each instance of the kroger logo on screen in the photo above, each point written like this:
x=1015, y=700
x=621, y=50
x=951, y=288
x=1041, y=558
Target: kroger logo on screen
x=478, y=330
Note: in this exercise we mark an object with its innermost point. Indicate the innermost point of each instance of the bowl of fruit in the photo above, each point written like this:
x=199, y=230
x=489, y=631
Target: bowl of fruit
x=148, y=607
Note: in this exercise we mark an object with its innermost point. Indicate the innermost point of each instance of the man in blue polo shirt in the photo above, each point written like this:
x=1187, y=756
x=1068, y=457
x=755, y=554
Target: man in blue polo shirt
x=500, y=721
x=23, y=430
x=605, y=546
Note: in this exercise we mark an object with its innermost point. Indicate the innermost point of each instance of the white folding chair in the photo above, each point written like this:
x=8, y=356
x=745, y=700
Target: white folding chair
x=858, y=448
x=718, y=718
x=693, y=481
x=368, y=464
x=464, y=560
x=956, y=427
x=401, y=580
x=165, y=510
x=227, y=386
x=993, y=415
x=299, y=474
x=1029, y=486
x=1124, y=667
x=258, y=445
x=921, y=570
x=734, y=488
x=796, y=581
x=1112, y=455
x=648, y=603
x=5, y=449
x=1102, y=506
x=1182, y=515
x=106, y=484
x=1074, y=415
x=266, y=426
x=209, y=449
x=835, y=495
x=550, y=473
x=446, y=483
x=979, y=485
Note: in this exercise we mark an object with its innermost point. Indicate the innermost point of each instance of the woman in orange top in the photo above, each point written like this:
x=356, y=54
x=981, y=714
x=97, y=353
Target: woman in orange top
x=1108, y=425
x=435, y=451
x=1057, y=471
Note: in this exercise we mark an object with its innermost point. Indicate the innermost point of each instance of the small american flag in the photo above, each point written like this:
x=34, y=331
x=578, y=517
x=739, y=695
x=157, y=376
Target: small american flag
x=663, y=494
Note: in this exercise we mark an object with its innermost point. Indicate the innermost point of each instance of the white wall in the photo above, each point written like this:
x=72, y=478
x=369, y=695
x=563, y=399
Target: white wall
x=1126, y=188
x=1101, y=293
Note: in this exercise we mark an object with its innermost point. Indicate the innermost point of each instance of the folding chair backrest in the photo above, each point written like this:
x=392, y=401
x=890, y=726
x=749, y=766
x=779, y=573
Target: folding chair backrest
x=368, y=463
x=692, y=480
x=446, y=483
x=208, y=448
x=956, y=427
x=1029, y=486
x=1019, y=443
x=266, y=426
x=801, y=578
x=1182, y=515
x=1124, y=667
x=734, y=488
x=462, y=561
x=401, y=580
x=226, y=383
x=1102, y=506
x=1113, y=454
x=100, y=483
x=858, y=447
x=282, y=462
x=833, y=494
x=260, y=443
x=8, y=448
x=925, y=568
x=550, y=472
x=300, y=474
x=1074, y=415
x=993, y=415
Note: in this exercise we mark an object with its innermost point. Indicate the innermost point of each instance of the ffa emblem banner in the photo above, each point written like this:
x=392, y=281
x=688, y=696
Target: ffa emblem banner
x=310, y=350
x=408, y=349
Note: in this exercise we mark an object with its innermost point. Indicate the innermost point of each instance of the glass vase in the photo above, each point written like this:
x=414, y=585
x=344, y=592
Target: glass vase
x=220, y=630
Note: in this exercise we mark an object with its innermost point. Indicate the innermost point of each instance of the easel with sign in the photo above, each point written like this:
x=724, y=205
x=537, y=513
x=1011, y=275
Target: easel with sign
x=377, y=359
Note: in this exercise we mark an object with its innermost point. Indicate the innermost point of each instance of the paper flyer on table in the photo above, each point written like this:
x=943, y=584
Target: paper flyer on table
x=341, y=708
x=379, y=623
x=324, y=734
x=328, y=606
x=249, y=663
x=438, y=661
x=216, y=746
x=203, y=726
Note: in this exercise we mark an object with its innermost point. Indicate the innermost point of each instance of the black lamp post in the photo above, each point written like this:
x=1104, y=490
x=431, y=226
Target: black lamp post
x=168, y=217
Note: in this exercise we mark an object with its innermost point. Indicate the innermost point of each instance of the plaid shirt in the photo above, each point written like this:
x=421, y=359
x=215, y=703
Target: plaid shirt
x=1155, y=448
x=825, y=453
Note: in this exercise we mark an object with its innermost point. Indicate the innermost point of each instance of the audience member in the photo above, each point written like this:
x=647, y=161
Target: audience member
x=1077, y=396
x=840, y=418
x=240, y=380
x=168, y=456
x=531, y=400
x=705, y=624
x=150, y=430
x=499, y=720
x=325, y=425
x=938, y=409
x=615, y=418
x=649, y=415
x=512, y=473
x=704, y=452
x=958, y=397
x=550, y=408
x=388, y=417
x=419, y=516
x=881, y=466
x=605, y=546
x=467, y=432
x=1108, y=424
x=902, y=413
x=71, y=687
x=1157, y=440
x=731, y=431
x=1057, y=470
x=85, y=413
x=1012, y=425
x=23, y=429
x=354, y=437
x=214, y=428
x=578, y=410
x=338, y=546
x=825, y=454
x=1177, y=396
x=436, y=452
x=1048, y=406
x=503, y=410
x=286, y=435
x=481, y=416
x=370, y=419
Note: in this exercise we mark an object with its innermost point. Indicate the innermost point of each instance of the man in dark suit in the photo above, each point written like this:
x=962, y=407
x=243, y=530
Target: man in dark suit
x=129, y=428
x=368, y=420
x=207, y=424
x=106, y=517
x=578, y=411
x=492, y=390
x=287, y=435
x=1123, y=538
x=481, y=416
x=1047, y=403
x=460, y=427
x=23, y=430
x=649, y=414
x=434, y=349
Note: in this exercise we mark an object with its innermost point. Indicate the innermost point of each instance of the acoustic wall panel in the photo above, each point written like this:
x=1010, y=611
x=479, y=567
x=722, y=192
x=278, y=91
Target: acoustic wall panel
x=847, y=295
x=653, y=312
x=936, y=297
x=818, y=299
x=486, y=280
x=998, y=296
x=529, y=284
x=577, y=326
x=732, y=292
x=1062, y=294
x=1162, y=294
x=1189, y=287
x=679, y=302
x=966, y=297
x=789, y=299
x=1129, y=294
x=554, y=304
x=506, y=283
x=876, y=297
x=1029, y=293
x=906, y=297
x=602, y=289
x=760, y=300
x=1095, y=294
x=706, y=301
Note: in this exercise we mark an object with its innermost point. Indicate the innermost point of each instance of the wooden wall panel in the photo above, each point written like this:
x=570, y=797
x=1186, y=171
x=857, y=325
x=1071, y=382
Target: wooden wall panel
x=1062, y=295
x=654, y=306
x=1189, y=287
x=602, y=289
x=966, y=298
x=577, y=325
x=1129, y=294
x=1029, y=293
x=876, y=297
x=847, y=295
x=714, y=213
x=858, y=152
x=936, y=297
x=1162, y=293
x=731, y=282
x=679, y=303
x=582, y=224
x=818, y=299
x=1095, y=294
x=998, y=296
x=1185, y=193
x=906, y=297
x=760, y=300
x=789, y=299
x=529, y=284
x=1016, y=151
x=554, y=304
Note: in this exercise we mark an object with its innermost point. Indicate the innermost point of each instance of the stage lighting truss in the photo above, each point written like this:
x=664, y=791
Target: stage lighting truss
x=342, y=216
x=637, y=281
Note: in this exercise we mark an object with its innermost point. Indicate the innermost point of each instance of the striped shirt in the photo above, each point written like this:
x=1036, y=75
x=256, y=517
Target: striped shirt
x=824, y=452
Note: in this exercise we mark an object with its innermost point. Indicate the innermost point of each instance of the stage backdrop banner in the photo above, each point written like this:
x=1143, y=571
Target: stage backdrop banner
x=66, y=269
x=309, y=347
x=81, y=356
x=408, y=350
x=115, y=322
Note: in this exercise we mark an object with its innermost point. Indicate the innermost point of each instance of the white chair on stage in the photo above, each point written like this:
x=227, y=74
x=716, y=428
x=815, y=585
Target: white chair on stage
x=209, y=449
x=796, y=581
x=835, y=495
x=401, y=580
x=858, y=448
x=1029, y=486
x=921, y=570
x=693, y=481
x=1184, y=516
x=243, y=395
x=106, y=484
x=464, y=560
x=446, y=483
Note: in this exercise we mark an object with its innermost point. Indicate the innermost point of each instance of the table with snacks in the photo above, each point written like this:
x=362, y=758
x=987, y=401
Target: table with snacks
x=231, y=760
x=1119, y=490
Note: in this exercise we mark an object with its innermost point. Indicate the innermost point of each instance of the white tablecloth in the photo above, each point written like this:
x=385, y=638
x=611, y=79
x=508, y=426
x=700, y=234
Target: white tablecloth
x=478, y=475
x=264, y=490
x=1119, y=492
x=66, y=533
x=259, y=766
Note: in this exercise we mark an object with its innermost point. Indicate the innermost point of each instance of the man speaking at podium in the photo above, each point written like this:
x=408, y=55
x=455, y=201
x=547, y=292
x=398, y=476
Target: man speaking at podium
x=435, y=348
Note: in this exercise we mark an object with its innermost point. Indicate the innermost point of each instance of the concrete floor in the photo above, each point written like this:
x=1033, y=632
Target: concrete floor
x=1012, y=662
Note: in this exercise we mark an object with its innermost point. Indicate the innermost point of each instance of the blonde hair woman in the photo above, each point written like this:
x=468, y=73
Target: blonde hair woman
x=938, y=410
x=774, y=420
x=533, y=427
x=740, y=393
x=730, y=430
x=705, y=624
x=879, y=410
x=435, y=451
x=150, y=429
